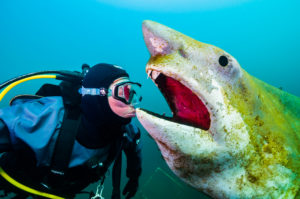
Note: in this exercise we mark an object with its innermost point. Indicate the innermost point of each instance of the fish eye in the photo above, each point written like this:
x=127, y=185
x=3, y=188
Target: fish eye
x=223, y=61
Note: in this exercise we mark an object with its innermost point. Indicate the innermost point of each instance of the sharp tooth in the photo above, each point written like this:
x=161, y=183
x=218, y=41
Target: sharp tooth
x=149, y=73
x=154, y=74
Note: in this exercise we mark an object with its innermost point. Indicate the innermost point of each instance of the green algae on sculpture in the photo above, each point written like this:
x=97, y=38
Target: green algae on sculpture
x=251, y=148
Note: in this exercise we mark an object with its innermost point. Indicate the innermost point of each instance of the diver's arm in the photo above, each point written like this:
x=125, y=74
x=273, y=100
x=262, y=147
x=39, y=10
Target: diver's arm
x=133, y=153
x=132, y=150
x=5, y=143
x=134, y=161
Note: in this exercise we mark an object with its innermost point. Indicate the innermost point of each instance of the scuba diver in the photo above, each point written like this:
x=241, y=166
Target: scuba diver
x=57, y=142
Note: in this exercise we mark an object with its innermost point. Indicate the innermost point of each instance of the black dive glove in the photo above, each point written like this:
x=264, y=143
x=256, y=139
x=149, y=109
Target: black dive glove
x=116, y=195
x=131, y=187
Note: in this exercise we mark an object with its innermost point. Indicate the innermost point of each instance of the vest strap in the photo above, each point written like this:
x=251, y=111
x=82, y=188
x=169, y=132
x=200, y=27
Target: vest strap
x=63, y=148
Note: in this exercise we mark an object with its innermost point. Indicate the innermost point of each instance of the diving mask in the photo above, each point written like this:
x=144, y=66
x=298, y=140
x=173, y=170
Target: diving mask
x=126, y=92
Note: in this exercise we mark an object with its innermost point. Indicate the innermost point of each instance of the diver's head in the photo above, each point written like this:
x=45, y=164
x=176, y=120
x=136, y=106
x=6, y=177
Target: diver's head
x=108, y=94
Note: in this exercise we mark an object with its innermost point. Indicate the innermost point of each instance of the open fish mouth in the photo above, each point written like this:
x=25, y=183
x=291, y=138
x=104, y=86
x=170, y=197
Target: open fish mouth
x=185, y=105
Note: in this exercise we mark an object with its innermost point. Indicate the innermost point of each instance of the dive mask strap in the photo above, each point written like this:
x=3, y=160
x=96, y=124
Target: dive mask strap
x=93, y=91
x=132, y=97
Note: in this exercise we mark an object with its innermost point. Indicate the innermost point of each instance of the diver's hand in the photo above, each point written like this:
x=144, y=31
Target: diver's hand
x=116, y=195
x=131, y=187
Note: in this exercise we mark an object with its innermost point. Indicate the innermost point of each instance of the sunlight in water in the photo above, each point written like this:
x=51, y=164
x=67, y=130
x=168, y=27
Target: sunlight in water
x=173, y=5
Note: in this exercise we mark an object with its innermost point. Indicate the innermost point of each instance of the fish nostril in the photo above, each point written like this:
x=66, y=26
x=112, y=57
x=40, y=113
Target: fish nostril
x=182, y=53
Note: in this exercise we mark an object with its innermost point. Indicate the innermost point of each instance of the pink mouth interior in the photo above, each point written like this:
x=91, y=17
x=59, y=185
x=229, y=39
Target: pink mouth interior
x=186, y=106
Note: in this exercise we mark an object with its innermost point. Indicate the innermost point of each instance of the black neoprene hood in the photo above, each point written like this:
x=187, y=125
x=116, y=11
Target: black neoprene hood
x=103, y=75
x=96, y=108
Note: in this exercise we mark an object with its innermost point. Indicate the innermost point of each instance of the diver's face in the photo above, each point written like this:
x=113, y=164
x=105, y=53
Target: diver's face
x=118, y=107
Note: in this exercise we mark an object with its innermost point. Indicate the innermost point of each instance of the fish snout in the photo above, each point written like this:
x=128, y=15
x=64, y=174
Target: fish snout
x=155, y=43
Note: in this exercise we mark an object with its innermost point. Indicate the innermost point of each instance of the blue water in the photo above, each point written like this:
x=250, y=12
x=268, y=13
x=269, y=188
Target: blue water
x=263, y=35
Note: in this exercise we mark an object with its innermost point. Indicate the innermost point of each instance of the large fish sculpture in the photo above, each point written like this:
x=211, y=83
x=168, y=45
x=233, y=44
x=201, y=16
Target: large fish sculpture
x=231, y=135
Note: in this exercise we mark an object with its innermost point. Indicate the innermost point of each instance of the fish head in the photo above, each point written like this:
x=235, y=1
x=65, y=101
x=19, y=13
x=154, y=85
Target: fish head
x=230, y=135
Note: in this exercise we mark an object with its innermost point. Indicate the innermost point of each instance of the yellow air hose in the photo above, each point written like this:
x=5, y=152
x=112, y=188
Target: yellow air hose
x=8, y=88
x=25, y=188
x=2, y=172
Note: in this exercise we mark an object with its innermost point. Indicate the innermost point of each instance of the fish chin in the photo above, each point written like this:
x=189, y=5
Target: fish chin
x=174, y=139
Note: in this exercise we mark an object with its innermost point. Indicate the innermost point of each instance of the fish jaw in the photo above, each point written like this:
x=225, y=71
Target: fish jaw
x=201, y=163
x=176, y=137
x=196, y=158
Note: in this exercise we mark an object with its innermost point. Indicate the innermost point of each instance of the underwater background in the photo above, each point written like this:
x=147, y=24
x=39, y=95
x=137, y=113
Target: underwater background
x=36, y=35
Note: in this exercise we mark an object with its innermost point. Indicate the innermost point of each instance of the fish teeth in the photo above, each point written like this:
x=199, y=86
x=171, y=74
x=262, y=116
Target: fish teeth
x=155, y=74
x=149, y=74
